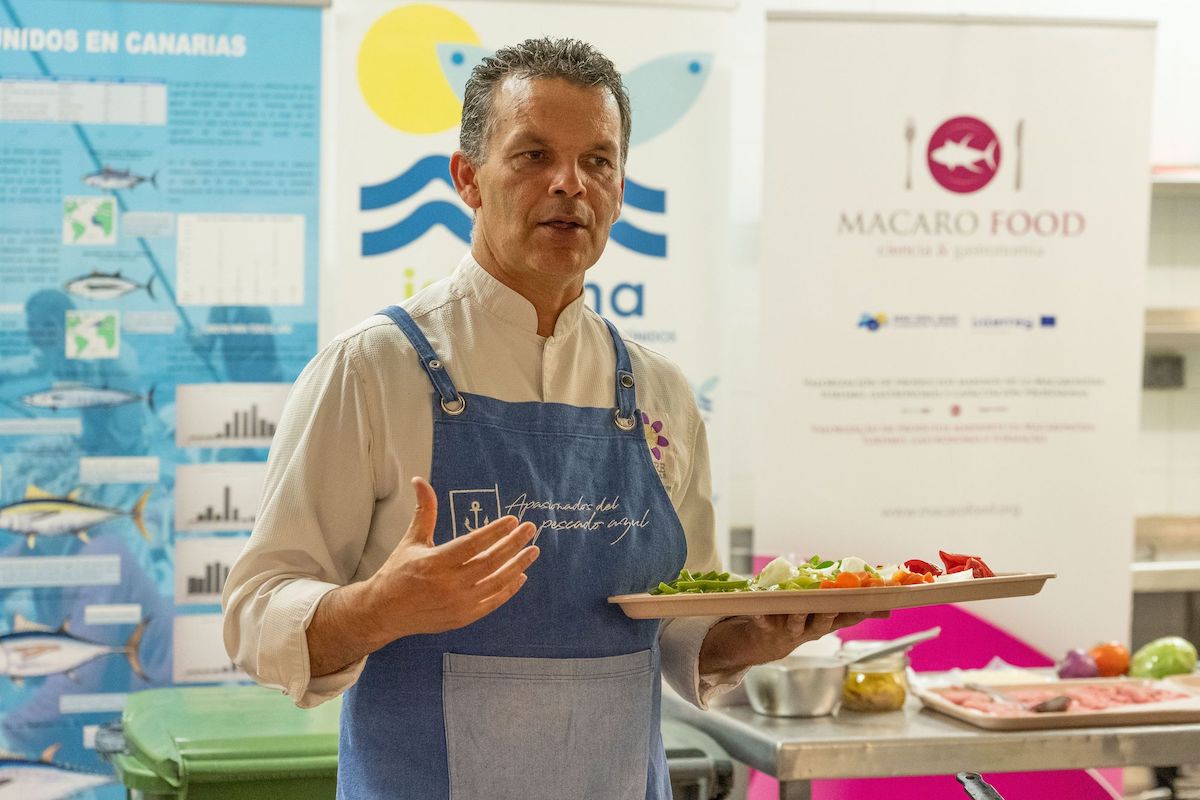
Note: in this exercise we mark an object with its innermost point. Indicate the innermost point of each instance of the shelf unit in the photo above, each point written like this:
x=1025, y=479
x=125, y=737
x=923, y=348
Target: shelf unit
x=1172, y=328
x=1175, y=180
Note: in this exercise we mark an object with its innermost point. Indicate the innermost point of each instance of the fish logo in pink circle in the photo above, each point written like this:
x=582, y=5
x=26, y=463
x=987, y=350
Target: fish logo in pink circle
x=963, y=154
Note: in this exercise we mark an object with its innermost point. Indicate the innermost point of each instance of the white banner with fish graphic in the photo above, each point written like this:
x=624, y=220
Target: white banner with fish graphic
x=399, y=224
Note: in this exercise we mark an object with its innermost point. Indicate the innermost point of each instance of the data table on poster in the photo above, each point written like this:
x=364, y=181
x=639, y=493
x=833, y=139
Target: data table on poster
x=86, y=103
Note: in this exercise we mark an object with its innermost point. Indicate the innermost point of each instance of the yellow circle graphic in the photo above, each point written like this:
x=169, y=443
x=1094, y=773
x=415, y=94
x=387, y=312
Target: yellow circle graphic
x=399, y=72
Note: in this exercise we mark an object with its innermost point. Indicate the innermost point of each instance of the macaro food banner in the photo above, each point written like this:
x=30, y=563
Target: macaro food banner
x=399, y=224
x=954, y=249
x=955, y=228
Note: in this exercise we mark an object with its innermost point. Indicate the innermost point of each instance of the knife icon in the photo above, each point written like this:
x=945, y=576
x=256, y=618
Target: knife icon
x=1020, y=137
x=910, y=131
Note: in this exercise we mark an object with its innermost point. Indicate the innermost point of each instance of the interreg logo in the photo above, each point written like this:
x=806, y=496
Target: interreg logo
x=413, y=66
x=872, y=322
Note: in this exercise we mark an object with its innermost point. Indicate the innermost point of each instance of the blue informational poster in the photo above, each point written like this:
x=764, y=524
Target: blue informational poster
x=159, y=177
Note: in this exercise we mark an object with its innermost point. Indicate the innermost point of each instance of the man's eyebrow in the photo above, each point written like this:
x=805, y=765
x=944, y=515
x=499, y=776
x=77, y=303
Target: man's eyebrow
x=526, y=139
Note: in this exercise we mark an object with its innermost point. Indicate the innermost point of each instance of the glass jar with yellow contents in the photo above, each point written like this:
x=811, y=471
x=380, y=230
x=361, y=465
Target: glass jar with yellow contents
x=876, y=685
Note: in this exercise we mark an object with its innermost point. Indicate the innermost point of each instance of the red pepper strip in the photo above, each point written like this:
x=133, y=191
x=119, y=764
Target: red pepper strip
x=921, y=567
x=979, y=569
x=956, y=568
x=953, y=559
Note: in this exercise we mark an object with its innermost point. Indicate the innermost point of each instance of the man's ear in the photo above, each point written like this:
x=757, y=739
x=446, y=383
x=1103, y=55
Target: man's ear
x=464, y=174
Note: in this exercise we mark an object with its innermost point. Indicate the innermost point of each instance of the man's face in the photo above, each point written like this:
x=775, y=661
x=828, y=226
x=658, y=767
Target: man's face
x=551, y=185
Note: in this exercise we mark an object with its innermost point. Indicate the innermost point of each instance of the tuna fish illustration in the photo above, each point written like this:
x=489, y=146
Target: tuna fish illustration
x=662, y=90
x=33, y=650
x=44, y=514
x=80, y=395
x=110, y=179
x=106, y=286
x=953, y=155
x=457, y=61
x=42, y=779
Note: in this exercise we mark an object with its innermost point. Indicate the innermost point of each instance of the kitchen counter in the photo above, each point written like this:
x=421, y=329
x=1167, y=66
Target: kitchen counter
x=919, y=742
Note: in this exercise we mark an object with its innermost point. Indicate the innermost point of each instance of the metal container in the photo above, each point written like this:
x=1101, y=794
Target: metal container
x=797, y=686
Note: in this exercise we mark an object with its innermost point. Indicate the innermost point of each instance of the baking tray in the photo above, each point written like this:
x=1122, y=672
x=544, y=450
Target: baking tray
x=1185, y=710
x=827, y=601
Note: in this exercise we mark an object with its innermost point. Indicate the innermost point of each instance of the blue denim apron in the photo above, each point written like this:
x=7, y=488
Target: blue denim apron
x=555, y=694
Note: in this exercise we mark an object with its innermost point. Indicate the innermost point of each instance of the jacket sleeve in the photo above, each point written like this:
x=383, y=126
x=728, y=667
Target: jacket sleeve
x=310, y=531
x=681, y=638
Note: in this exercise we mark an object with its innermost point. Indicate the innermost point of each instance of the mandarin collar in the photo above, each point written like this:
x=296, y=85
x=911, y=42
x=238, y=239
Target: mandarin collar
x=473, y=281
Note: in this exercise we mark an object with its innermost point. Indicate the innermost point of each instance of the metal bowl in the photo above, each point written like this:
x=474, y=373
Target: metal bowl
x=797, y=686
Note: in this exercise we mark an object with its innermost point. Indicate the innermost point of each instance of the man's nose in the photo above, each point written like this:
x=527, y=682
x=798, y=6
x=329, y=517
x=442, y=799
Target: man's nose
x=567, y=180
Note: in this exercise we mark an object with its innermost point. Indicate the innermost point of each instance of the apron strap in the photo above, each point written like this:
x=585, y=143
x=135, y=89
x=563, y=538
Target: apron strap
x=452, y=402
x=626, y=391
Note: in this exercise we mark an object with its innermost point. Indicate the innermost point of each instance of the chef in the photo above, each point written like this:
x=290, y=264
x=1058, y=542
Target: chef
x=465, y=615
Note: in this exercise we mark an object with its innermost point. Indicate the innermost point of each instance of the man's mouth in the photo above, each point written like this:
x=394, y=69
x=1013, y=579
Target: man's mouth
x=563, y=223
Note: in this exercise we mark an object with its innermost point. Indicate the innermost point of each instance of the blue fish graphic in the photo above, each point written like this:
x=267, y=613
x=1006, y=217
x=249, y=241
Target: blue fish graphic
x=457, y=61
x=662, y=90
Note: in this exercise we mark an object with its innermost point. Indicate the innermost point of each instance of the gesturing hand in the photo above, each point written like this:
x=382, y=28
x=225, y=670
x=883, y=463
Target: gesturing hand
x=428, y=588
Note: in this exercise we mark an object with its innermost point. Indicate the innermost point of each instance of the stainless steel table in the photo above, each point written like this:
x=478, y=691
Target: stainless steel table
x=919, y=742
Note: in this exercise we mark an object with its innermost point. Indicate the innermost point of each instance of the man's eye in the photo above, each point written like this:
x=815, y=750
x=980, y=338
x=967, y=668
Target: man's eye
x=601, y=161
x=535, y=155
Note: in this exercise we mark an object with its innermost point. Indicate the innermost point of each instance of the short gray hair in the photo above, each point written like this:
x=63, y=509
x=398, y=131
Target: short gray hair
x=570, y=59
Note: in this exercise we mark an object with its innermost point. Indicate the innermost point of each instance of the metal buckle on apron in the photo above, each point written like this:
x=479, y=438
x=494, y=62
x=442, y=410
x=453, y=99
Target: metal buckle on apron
x=454, y=412
x=621, y=422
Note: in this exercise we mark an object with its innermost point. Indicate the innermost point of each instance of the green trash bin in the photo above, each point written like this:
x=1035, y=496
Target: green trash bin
x=223, y=743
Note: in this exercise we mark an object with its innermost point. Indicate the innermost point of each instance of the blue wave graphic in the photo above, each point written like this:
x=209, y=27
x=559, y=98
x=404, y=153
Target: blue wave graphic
x=406, y=184
x=638, y=240
x=416, y=225
x=644, y=197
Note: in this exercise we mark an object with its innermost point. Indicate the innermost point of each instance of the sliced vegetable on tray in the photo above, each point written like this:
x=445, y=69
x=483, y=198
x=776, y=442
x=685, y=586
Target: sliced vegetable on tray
x=817, y=573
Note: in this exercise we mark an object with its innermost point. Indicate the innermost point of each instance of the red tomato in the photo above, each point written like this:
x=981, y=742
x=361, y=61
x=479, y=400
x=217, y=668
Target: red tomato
x=1112, y=659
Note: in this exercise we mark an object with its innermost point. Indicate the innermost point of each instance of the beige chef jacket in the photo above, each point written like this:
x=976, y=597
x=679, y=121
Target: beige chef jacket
x=358, y=427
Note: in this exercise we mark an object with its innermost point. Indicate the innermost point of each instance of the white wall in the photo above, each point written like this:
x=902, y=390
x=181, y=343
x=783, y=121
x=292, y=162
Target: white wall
x=1169, y=448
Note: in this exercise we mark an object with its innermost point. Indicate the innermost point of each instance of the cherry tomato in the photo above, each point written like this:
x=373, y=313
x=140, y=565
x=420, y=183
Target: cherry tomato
x=1112, y=659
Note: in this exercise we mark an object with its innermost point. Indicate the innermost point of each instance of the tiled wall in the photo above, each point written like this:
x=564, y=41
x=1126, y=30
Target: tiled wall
x=1168, y=469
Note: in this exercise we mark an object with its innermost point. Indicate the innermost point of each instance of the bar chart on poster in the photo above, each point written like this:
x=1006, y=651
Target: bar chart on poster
x=223, y=496
x=202, y=566
x=199, y=651
x=228, y=414
x=241, y=259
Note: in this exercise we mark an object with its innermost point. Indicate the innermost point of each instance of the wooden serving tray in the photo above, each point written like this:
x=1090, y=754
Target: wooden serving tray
x=829, y=601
